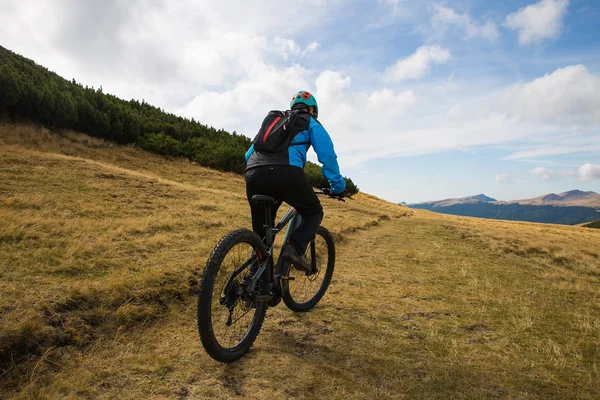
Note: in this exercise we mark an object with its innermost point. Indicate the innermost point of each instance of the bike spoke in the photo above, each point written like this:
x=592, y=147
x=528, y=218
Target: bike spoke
x=230, y=335
x=229, y=318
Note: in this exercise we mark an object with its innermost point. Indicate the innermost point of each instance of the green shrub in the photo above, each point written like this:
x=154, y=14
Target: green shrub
x=595, y=224
x=159, y=143
x=316, y=178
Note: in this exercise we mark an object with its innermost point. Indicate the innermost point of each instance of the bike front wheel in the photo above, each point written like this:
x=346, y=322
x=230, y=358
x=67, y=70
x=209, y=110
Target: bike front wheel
x=305, y=290
x=229, y=318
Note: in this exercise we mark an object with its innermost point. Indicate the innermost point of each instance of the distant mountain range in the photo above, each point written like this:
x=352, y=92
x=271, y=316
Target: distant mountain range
x=461, y=200
x=570, y=208
x=570, y=198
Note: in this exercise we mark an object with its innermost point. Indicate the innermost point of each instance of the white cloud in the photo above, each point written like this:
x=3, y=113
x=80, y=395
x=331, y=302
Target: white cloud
x=330, y=83
x=243, y=106
x=503, y=178
x=539, y=21
x=387, y=102
x=405, y=122
x=313, y=46
x=289, y=49
x=418, y=64
x=588, y=172
x=426, y=120
x=569, y=96
x=330, y=87
x=163, y=52
x=445, y=16
x=553, y=150
x=544, y=173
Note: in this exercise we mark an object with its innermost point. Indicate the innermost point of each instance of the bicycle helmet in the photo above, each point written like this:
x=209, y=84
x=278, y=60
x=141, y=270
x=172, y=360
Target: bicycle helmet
x=304, y=97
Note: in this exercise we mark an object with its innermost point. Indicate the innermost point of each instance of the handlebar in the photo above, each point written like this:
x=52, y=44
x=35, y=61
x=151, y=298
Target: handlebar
x=329, y=193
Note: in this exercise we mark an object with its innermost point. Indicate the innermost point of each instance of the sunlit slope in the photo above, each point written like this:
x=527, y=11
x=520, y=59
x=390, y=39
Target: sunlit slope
x=101, y=249
x=96, y=237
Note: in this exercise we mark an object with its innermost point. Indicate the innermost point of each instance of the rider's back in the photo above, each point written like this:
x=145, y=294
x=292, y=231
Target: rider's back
x=311, y=133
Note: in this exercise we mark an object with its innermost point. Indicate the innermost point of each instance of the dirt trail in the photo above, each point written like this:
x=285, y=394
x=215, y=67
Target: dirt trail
x=132, y=173
x=408, y=315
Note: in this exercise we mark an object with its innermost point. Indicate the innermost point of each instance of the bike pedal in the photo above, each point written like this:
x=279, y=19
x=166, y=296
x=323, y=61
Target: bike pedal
x=287, y=278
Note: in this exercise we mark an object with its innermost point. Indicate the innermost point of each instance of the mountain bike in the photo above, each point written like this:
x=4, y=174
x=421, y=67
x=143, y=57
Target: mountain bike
x=241, y=280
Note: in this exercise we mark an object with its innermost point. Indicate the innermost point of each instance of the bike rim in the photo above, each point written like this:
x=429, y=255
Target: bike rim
x=232, y=321
x=305, y=287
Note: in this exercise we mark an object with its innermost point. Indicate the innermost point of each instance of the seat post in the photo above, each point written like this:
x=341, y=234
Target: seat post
x=268, y=225
x=266, y=202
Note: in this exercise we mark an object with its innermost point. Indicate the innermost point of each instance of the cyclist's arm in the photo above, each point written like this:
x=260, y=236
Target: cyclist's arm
x=249, y=152
x=321, y=142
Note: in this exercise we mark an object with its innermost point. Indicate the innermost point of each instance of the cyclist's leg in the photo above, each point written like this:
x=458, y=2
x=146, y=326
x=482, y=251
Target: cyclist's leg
x=260, y=181
x=297, y=192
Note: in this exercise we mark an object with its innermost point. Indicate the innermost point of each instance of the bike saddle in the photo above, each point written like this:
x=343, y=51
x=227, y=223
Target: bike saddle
x=264, y=200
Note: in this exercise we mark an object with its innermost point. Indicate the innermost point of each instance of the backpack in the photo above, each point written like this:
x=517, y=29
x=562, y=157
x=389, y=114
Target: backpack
x=278, y=130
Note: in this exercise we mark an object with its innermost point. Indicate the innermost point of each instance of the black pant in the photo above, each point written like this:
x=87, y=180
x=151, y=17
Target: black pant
x=290, y=184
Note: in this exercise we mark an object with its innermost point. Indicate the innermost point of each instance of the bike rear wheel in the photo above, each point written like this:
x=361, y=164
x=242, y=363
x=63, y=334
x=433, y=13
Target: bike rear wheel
x=306, y=290
x=229, y=319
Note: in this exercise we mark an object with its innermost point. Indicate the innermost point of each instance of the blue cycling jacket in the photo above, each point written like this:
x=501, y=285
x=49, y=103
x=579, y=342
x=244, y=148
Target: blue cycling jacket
x=316, y=136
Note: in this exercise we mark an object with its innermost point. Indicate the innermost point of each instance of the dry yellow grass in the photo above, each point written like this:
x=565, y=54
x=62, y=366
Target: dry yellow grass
x=100, y=248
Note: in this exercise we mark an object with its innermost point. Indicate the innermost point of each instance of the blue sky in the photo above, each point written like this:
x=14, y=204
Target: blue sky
x=424, y=99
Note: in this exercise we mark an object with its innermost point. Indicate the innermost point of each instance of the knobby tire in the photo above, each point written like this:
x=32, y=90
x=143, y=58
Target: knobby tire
x=206, y=301
x=325, y=246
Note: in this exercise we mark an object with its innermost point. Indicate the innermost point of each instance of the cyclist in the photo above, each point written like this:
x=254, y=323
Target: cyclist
x=281, y=176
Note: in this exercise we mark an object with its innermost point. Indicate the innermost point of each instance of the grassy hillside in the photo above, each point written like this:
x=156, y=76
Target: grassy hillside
x=101, y=246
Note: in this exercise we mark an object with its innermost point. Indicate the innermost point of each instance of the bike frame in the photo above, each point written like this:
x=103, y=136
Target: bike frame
x=292, y=218
x=275, y=275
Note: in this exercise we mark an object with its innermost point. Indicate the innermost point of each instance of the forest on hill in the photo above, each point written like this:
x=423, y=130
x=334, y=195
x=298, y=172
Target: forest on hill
x=32, y=93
